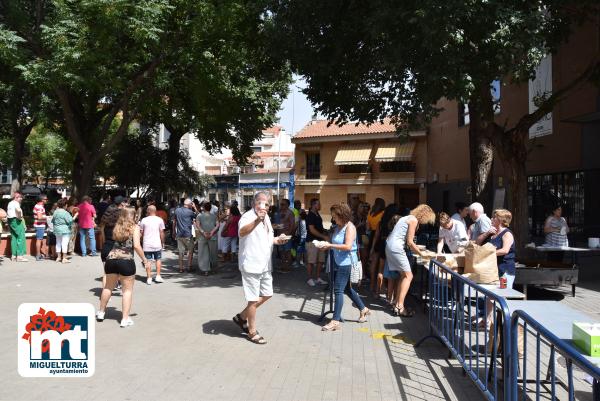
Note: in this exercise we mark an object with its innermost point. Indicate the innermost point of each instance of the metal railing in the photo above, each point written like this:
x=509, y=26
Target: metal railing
x=472, y=322
x=544, y=338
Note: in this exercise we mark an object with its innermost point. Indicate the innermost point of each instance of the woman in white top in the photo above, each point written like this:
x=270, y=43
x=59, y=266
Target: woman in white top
x=402, y=236
x=556, y=229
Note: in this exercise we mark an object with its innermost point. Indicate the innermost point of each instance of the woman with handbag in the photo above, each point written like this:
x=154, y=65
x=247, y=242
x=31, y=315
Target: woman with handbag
x=120, y=265
x=345, y=258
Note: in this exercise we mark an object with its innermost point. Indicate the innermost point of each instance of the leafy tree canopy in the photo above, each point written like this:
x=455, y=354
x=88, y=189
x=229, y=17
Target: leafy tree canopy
x=369, y=60
x=101, y=58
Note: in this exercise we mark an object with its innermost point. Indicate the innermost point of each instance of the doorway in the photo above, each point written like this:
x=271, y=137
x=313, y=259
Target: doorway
x=406, y=198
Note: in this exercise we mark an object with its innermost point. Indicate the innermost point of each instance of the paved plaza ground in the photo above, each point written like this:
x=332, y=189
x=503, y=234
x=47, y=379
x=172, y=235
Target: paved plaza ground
x=185, y=346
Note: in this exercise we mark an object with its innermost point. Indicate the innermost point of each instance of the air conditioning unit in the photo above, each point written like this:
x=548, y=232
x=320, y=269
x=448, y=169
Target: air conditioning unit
x=237, y=170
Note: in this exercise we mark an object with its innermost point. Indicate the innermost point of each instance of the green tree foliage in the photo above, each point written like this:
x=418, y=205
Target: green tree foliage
x=99, y=59
x=136, y=164
x=46, y=155
x=369, y=60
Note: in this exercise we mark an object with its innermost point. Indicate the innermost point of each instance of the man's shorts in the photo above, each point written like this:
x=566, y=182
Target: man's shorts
x=185, y=244
x=313, y=254
x=39, y=232
x=257, y=285
x=155, y=255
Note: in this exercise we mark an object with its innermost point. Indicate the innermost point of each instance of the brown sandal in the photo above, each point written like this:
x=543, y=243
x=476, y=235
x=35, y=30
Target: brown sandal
x=256, y=338
x=243, y=324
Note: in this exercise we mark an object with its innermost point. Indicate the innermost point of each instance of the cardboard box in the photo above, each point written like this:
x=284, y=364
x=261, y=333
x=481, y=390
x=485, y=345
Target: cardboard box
x=586, y=337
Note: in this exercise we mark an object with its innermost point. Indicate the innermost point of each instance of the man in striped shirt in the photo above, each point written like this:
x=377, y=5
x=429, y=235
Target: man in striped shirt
x=39, y=223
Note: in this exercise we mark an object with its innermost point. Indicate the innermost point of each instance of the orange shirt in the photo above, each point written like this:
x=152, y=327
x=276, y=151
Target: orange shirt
x=163, y=215
x=373, y=220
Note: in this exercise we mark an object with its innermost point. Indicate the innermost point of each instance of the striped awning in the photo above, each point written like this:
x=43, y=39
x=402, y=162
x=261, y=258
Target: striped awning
x=353, y=154
x=395, y=151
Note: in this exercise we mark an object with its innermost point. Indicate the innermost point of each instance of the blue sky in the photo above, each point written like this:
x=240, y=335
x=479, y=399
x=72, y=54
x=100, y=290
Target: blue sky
x=296, y=110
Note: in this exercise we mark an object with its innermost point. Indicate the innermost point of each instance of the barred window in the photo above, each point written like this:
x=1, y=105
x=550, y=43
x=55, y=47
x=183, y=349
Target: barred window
x=547, y=191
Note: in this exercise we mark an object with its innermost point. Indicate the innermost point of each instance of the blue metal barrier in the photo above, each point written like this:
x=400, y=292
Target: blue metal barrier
x=454, y=305
x=543, y=337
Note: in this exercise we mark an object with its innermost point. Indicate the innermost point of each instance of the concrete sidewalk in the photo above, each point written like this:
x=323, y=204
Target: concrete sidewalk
x=185, y=346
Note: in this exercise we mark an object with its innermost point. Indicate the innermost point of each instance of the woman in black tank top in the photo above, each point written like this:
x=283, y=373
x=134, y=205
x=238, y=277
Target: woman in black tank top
x=120, y=265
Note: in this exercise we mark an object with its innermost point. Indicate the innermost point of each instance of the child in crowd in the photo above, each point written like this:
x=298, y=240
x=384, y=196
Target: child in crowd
x=301, y=248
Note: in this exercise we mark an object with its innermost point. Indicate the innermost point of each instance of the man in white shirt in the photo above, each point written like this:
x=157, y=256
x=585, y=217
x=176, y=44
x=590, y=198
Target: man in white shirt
x=255, y=249
x=153, y=240
x=481, y=224
x=17, y=228
x=453, y=233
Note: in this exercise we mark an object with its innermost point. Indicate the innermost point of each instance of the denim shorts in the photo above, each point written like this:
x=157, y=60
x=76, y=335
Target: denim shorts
x=39, y=232
x=156, y=255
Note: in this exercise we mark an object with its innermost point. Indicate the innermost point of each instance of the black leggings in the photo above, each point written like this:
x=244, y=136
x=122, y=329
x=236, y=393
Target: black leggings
x=124, y=267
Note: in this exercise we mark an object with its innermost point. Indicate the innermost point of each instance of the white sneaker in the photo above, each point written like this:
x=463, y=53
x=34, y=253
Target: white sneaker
x=321, y=281
x=301, y=263
x=311, y=282
x=126, y=322
x=149, y=280
x=158, y=279
x=100, y=315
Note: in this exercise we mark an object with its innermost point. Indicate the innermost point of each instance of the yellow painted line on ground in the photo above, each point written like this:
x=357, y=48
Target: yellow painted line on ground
x=386, y=335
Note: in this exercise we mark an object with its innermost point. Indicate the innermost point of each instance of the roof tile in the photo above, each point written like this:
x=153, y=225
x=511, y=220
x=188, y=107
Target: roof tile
x=319, y=128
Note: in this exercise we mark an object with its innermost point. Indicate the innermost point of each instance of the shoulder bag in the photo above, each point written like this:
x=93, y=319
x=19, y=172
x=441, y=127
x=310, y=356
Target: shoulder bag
x=356, y=270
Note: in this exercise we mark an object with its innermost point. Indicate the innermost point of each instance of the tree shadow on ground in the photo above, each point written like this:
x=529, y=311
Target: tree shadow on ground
x=222, y=327
x=298, y=315
x=425, y=369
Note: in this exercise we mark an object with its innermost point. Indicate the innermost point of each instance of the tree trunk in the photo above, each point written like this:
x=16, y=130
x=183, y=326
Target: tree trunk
x=83, y=174
x=173, y=150
x=481, y=154
x=20, y=135
x=512, y=150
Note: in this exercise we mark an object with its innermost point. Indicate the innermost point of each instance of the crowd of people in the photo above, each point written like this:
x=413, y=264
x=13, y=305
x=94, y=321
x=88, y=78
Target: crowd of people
x=380, y=239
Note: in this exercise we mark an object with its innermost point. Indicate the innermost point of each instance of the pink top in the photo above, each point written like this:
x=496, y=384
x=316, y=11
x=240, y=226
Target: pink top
x=232, y=228
x=86, y=215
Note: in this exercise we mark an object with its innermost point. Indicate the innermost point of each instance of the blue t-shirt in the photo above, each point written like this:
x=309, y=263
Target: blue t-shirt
x=185, y=218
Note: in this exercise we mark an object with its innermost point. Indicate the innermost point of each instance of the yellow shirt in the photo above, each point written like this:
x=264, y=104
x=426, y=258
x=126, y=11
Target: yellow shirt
x=373, y=220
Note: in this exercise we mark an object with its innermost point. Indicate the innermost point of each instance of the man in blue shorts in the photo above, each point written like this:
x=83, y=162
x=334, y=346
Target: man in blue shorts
x=39, y=223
